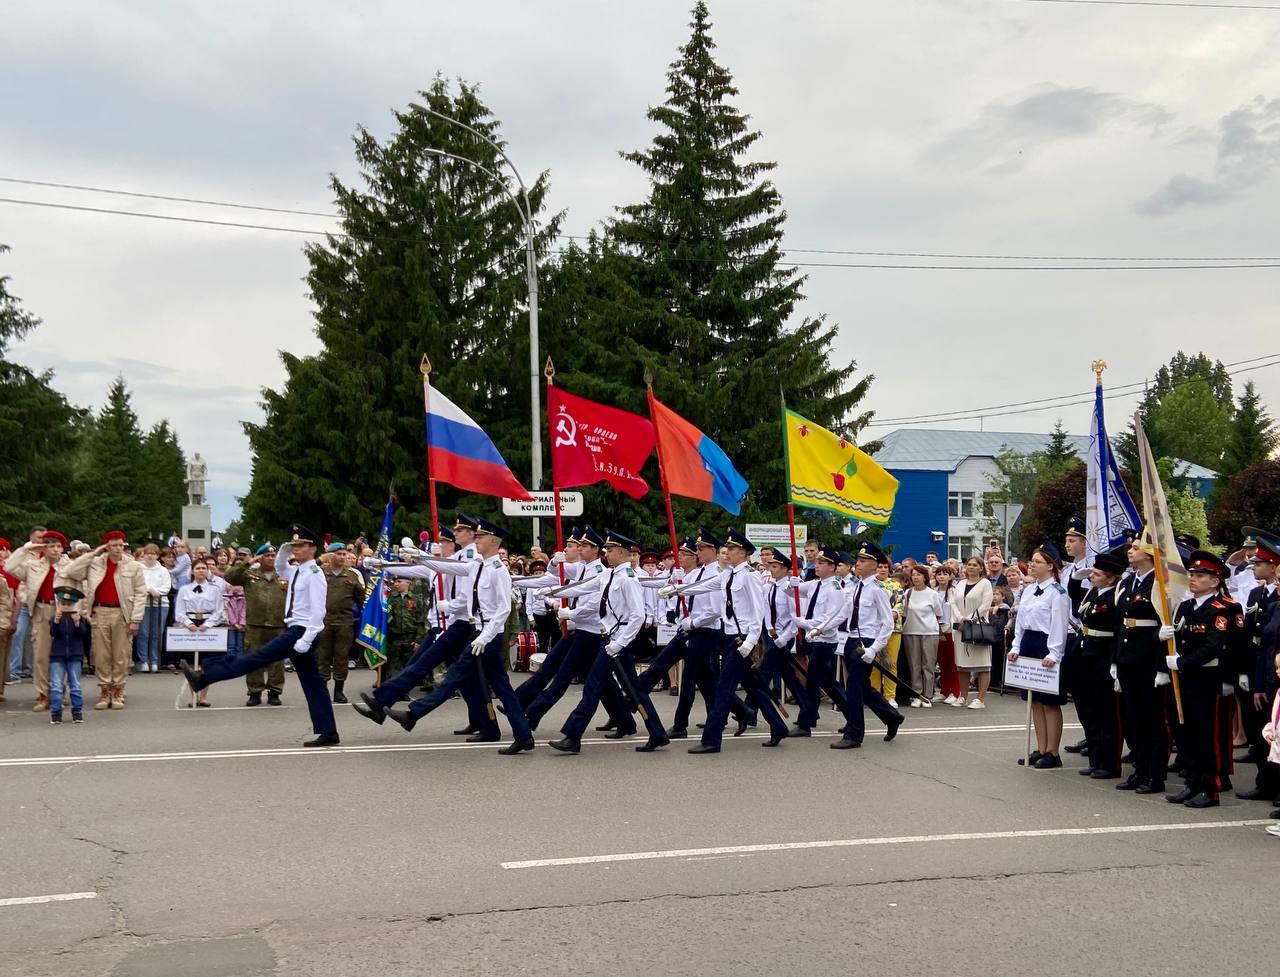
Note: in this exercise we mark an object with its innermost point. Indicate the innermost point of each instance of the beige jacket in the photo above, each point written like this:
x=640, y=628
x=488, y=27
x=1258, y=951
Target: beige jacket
x=29, y=565
x=131, y=584
x=6, y=606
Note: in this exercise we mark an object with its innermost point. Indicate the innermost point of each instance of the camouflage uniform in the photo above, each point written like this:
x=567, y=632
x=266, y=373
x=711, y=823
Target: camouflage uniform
x=408, y=619
x=264, y=620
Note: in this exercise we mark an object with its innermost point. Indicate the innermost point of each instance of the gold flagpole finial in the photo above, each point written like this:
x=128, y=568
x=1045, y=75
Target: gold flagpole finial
x=1098, y=367
x=648, y=378
x=549, y=370
x=425, y=366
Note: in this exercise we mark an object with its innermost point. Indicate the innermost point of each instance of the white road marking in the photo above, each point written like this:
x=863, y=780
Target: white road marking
x=640, y=856
x=58, y=897
x=412, y=748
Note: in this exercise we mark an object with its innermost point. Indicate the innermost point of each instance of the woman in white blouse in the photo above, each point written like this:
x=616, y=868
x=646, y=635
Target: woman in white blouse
x=970, y=601
x=922, y=615
x=1044, y=615
x=151, y=633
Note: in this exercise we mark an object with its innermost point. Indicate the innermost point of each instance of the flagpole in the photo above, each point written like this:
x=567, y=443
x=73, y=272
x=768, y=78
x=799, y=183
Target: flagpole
x=425, y=368
x=791, y=513
x=662, y=471
x=550, y=373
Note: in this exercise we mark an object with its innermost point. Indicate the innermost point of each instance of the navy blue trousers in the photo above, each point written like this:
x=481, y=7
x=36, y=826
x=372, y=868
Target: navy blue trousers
x=821, y=654
x=420, y=665
x=734, y=670
x=776, y=666
x=858, y=689
x=532, y=687
x=465, y=669
x=435, y=650
x=601, y=678
x=304, y=667
x=577, y=661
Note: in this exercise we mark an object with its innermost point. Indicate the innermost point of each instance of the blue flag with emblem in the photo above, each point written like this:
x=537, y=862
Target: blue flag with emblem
x=372, y=634
x=1109, y=511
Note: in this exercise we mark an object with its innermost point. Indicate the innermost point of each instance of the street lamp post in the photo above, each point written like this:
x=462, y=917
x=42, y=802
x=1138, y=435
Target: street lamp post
x=531, y=274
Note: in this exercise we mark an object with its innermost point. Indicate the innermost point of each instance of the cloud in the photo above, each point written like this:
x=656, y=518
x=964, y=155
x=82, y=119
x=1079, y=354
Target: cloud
x=1006, y=134
x=1248, y=153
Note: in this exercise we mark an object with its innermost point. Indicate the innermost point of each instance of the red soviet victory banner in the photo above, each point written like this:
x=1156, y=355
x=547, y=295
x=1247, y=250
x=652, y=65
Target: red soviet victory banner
x=593, y=442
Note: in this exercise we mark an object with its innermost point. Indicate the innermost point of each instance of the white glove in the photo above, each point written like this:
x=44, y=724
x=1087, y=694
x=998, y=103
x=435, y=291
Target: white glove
x=868, y=656
x=1166, y=632
x=406, y=543
x=746, y=648
x=1227, y=689
x=564, y=613
x=1171, y=662
x=814, y=633
x=302, y=647
x=409, y=553
x=685, y=624
x=613, y=649
x=1244, y=683
x=477, y=646
x=667, y=591
x=1116, y=685
x=557, y=557
x=434, y=549
x=1162, y=678
x=1115, y=673
x=374, y=563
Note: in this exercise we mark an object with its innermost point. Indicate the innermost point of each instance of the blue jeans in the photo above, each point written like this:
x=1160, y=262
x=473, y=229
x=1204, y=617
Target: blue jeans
x=68, y=671
x=18, y=643
x=235, y=641
x=151, y=636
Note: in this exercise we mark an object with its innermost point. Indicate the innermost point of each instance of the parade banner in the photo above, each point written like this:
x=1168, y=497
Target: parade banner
x=372, y=633
x=592, y=442
x=829, y=472
x=1109, y=511
x=693, y=465
x=1030, y=674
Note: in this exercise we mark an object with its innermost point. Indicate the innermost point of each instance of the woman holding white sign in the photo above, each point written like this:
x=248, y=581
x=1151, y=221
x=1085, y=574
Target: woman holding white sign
x=1044, y=614
x=199, y=607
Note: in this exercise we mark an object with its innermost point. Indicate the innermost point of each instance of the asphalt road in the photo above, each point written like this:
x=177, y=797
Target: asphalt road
x=207, y=843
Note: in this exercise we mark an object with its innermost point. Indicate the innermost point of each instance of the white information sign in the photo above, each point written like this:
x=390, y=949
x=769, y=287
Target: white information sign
x=1030, y=673
x=180, y=639
x=544, y=504
x=777, y=534
x=666, y=633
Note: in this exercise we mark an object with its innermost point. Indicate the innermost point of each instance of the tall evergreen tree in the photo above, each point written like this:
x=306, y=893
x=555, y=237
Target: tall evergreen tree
x=431, y=262
x=695, y=292
x=1168, y=390
x=165, y=483
x=1253, y=433
x=1059, y=450
x=111, y=497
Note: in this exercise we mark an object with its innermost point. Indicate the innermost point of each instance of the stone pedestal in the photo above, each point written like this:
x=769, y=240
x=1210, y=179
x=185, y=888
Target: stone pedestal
x=197, y=526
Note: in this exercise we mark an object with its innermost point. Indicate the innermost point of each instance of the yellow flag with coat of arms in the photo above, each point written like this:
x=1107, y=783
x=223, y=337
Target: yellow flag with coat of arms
x=828, y=471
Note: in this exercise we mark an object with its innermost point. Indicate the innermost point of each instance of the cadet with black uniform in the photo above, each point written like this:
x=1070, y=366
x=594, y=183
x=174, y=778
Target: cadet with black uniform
x=1096, y=672
x=1139, y=660
x=1255, y=703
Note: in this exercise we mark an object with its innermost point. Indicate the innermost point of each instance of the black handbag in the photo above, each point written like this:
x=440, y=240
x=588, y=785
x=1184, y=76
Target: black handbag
x=978, y=632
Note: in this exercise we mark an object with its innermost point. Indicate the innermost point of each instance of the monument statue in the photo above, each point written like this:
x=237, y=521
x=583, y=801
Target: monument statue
x=197, y=475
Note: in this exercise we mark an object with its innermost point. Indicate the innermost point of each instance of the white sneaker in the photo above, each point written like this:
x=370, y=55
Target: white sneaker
x=926, y=704
x=937, y=697
x=1273, y=829
x=977, y=704
x=957, y=701
x=914, y=704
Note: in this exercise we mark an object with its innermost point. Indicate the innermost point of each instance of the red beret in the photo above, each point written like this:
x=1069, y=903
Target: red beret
x=114, y=534
x=53, y=536
x=4, y=544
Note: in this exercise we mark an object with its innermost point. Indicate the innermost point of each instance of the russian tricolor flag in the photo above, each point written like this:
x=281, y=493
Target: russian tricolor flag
x=460, y=453
x=694, y=466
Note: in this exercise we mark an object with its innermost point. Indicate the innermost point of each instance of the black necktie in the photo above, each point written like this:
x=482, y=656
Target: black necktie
x=198, y=589
x=475, y=591
x=813, y=600
x=857, y=608
x=292, y=583
x=689, y=606
x=728, y=599
x=1038, y=591
x=604, y=597
x=773, y=606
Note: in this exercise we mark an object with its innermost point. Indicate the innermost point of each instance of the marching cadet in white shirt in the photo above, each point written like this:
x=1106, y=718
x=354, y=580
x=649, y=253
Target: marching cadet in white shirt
x=619, y=606
x=486, y=586
x=304, y=620
x=542, y=583
x=869, y=624
x=822, y=610
x=742, y=611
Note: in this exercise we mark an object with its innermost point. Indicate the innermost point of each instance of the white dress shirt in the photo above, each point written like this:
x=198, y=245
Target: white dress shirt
x=483, y=590
x=779, y=611
x=734, y=594
x=701, y=612
x=621, y=607
x=584, y=592
x=197, y=598
x=1048, y=611
x=821, y=606
x=867, y=597
x=304, y=601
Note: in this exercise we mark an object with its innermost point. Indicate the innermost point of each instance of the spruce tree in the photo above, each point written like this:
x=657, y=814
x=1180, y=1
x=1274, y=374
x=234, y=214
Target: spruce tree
x=1253, y=434
x=431, y=262
x=114, y=493
x=1059, y=451
x=164, y=469
x=696, y=291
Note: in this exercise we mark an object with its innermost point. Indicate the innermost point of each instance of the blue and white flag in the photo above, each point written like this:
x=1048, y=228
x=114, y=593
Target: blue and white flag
x=1109, y=511
x=372, y=635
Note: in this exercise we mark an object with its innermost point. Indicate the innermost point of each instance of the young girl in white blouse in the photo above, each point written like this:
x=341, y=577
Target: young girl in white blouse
x=1044, y=615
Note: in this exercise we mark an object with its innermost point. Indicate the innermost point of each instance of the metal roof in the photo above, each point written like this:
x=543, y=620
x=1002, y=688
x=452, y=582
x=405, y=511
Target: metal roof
x=922, y=449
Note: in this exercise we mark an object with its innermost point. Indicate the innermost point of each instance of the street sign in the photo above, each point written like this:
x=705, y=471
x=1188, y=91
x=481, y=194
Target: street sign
x=544, y=504
x=776, y=534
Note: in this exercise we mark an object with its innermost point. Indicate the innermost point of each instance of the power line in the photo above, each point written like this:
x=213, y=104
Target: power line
x=1166, y=3
x=583, y=237
x=790, y=264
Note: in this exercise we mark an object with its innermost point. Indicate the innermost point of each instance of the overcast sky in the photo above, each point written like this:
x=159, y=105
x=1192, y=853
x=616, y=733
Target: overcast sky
x=979, y=127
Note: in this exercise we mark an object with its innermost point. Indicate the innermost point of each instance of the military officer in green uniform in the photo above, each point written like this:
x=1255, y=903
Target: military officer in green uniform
x=344, y=596
x=264, y=593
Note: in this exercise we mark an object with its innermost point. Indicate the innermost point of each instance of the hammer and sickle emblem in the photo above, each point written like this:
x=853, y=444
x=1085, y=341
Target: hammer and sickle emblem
x=566, y=430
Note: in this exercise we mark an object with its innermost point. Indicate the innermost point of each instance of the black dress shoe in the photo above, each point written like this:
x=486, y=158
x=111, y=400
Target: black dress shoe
x=893, y=729
x=565, y=745
x=652, y=744
x=484, y=737
x=774, y=739
x=255, y=699
x=1151, y=787
x=1099, y=774
x=606, y=727
x=1226, y=783
x=703, y=748
x=404, y=717
x=1202, y=800
x=340, y=699
x=1030, y=761
x=1085, y=771
x=844, y=744
x=1132, y=783
x=273, y=699
x=799, y=731
x=324, y=739
x=677, y=733
x=1048, y=761
x=1275, y=813
x=1079, y=747
x=371, y=708
x=466, y=731
x=1181, y=797
x=1254, y=795
x=743, y=726
x=518, y=746
x=619, y=734
x=195, y=676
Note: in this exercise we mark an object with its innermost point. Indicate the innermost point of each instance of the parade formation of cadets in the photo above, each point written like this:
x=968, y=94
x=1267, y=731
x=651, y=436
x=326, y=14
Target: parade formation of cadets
x=1095, y=618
